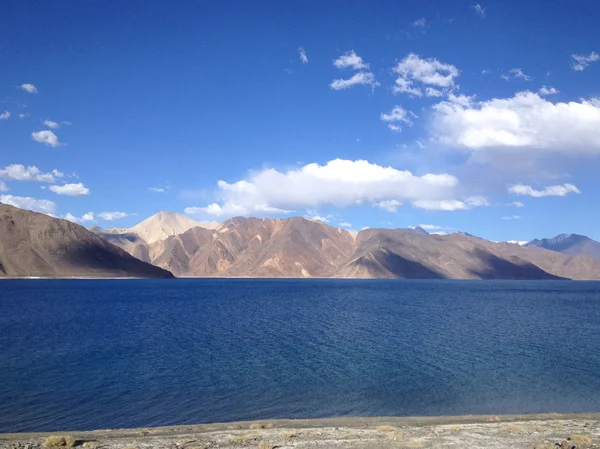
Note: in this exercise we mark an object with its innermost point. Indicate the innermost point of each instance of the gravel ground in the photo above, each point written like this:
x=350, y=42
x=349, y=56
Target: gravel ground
x=502, y=432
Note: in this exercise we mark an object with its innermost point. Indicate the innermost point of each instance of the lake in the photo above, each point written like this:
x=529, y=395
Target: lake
x=96, y=354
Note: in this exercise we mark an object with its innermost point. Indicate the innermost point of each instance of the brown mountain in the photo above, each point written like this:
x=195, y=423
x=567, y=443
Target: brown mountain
x=402, y=254
x=298, y=247
x=37, y=245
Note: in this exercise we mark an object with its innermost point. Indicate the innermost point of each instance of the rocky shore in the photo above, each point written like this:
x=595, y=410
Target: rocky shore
x=563, y=431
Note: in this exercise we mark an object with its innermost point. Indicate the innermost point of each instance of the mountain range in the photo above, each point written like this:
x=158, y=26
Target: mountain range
x=33, y=244
x=301, y=247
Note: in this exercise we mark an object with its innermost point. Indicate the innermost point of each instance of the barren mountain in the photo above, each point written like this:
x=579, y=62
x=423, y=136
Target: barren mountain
x=570, y=244
x=37, y=245
x=165, y=224
x=401, y=254
x=297, y=247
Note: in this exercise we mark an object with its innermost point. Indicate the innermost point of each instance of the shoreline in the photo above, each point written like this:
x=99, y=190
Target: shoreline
x=540, y=431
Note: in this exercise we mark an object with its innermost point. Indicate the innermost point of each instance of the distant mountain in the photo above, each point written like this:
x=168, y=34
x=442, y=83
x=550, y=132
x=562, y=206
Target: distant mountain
x=165, y=224
x=36, y=245
x=298, y=247
x=573, y=244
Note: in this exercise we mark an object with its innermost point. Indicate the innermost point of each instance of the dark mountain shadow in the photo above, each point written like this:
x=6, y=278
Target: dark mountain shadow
x=494, y=267
x=398, y=266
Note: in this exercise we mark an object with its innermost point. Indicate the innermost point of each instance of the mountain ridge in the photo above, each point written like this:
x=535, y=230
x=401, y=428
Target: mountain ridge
x=300, y=247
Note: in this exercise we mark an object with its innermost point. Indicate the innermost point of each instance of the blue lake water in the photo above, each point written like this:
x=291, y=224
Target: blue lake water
x=87, y=354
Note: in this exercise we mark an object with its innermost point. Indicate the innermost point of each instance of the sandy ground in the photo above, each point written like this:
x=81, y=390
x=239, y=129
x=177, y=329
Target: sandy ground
x=506, y=431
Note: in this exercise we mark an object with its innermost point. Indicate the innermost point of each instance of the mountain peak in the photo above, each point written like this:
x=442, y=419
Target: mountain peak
x=165, y=224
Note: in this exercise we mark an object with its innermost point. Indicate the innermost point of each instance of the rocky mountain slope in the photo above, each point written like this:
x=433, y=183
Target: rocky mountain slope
x=36, y=245
x=570, y=244
x=298, y=247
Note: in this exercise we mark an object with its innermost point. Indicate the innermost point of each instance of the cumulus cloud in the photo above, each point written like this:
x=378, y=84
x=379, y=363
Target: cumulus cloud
x=111, y=216
x=83, y=219
x=18, y=172
x=523, y=121
x=46, y=137
x=416, y=74
x=365, y=78
x=345, y=224
x=51, y=124
x=338, y=183
x=302, y=55
x=3, y=187
x=420, y=23
x=70, y=189
x=580, y=62
x=453, y=204
x=389, y=205
x=5, y=115
x=397, y=115
x=544, y=91
x=25, y=202
x=29, y=88
x=479, y=9
x=350, y=60
x=517, y=204
x=557, y=190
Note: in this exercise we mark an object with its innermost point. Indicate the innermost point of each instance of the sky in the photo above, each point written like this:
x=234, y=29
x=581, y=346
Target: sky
x=477, y=117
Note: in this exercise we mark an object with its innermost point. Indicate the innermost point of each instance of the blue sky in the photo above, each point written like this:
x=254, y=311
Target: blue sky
x=480, y=117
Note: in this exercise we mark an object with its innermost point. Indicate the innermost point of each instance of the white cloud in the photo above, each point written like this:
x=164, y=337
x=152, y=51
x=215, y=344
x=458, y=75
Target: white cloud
x=5, y=115
x=23, y=115
x=111, y=216
x=450, y=205
x=83, y=219
x=558, y=190
x=518, y=74
x=57, y=173
x=479, y=9
x=357, y=79
x=29, y=88
x=70, y=189
x=51, y=124
x=28, y=203
x=486, y=71
x=64, y=122
x=18, y=172
x=319, y=218
x=517, y=204
x=547, y=91
x=517, y=242
x=431, y=92
x=389, y=205
x=345, y=224
x=3, y=187
x=398, y=114
x=420, y=23
x=511, y=217
x=339, y=183
x=523, y=121
x=46, y=137
x=350, y=60
x=364, y=228
x=430, y=227
x=302, y=55
x=582, y=61
x=156, y=189
x=428, y=72
x=463, y=100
